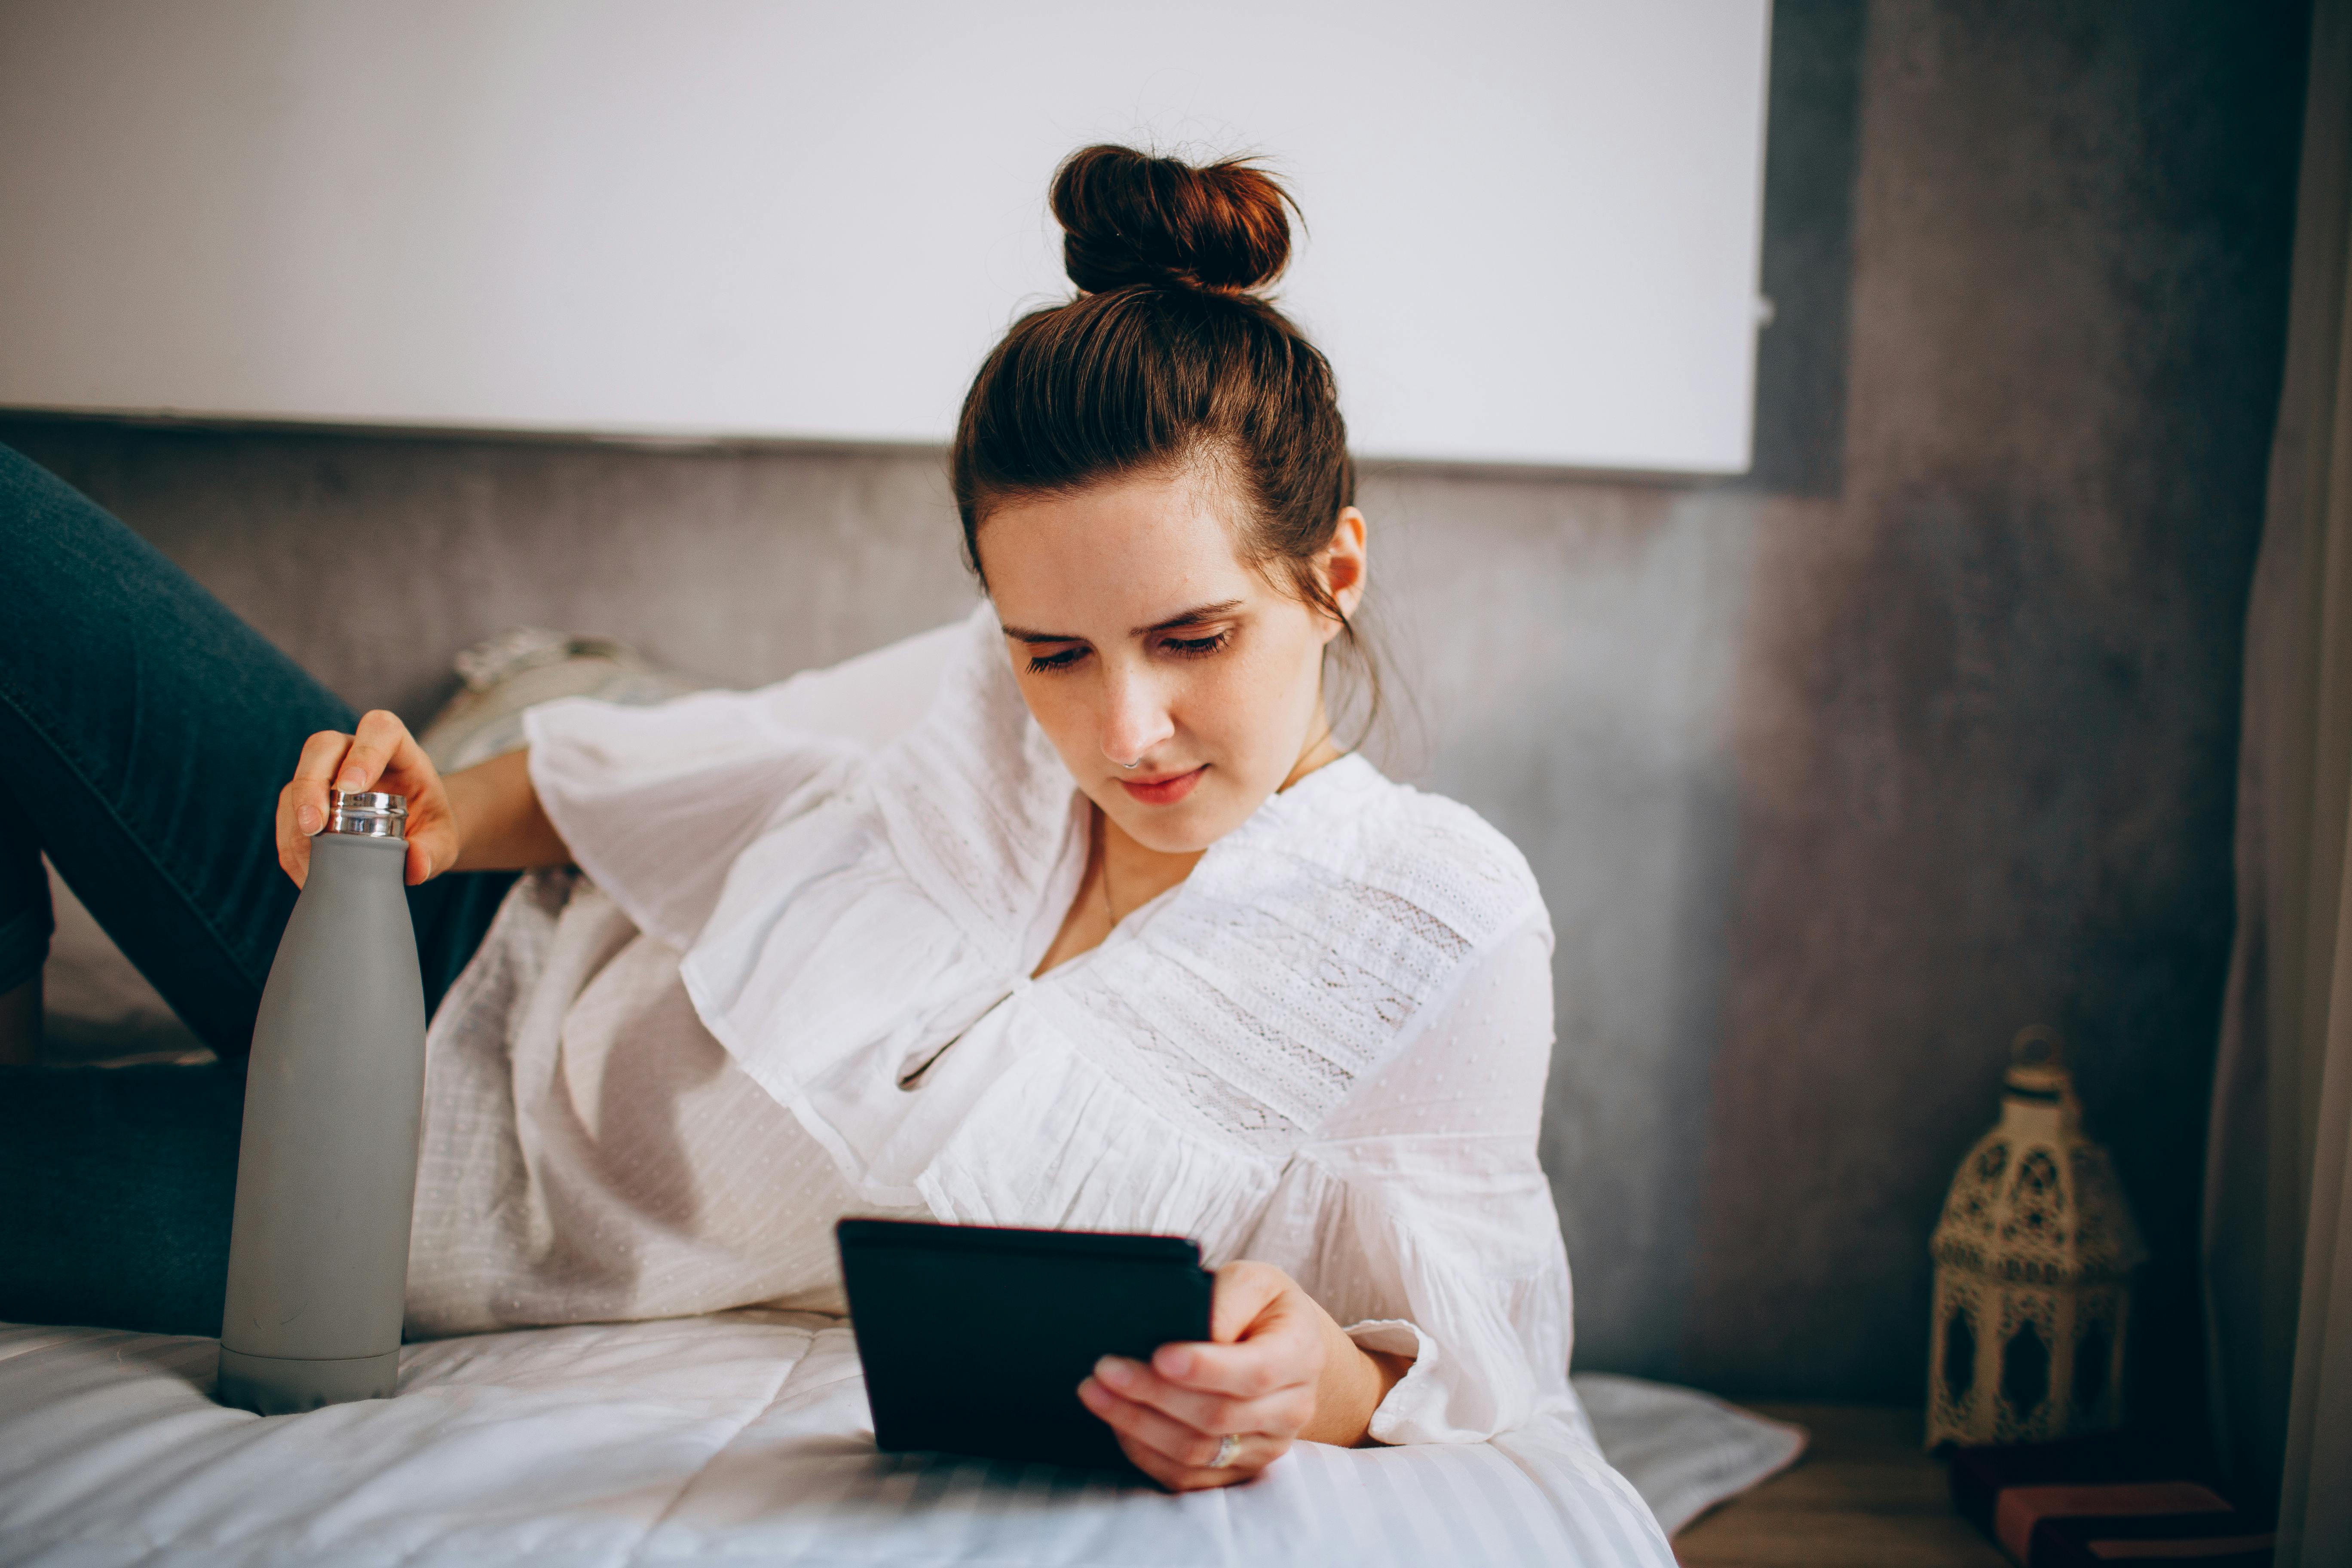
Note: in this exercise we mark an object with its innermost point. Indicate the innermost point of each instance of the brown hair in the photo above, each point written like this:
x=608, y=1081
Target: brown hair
x=1168, y=355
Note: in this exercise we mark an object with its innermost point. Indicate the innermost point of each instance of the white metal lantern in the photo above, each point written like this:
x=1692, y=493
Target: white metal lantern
x=2034, y=1261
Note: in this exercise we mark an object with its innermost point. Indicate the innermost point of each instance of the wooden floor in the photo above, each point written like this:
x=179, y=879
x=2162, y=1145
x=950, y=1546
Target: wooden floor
x=1865, y=1495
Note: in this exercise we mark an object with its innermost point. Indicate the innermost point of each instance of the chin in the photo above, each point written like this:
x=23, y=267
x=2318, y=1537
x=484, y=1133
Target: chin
x=1170, y=836
x=1184, y=828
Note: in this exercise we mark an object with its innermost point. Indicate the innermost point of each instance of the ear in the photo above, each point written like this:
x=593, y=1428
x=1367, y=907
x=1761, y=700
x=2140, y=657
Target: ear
x=1344, y=561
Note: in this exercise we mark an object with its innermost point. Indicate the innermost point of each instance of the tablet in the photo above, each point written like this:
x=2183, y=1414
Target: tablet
x=975, y=1339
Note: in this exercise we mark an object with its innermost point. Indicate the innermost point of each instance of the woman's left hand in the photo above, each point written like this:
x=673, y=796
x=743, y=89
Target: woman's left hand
x=1277, y=1369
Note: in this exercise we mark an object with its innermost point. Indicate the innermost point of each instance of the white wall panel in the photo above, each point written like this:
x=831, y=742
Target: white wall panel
x=1533, y=225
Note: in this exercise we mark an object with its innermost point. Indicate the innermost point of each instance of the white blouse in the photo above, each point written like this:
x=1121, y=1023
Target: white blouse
x=664, y=1077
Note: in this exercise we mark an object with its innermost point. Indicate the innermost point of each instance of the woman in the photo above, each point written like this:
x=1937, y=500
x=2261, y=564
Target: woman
x=1115, y=937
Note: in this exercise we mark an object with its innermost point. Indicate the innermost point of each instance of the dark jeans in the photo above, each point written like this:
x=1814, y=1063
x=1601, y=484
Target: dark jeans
x=144, y=734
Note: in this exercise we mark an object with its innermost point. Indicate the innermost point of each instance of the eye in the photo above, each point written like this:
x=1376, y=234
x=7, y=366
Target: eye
x=1198, y=647
x=1039, y=664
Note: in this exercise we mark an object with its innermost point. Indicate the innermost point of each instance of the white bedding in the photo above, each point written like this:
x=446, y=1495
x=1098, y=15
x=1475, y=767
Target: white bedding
x=741, y=1438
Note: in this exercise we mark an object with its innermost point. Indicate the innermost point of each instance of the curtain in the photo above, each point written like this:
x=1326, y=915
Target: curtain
x=2278, y=1218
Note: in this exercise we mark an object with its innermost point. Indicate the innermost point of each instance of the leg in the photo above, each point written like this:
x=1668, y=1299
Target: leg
x=115, y=1189
x=25, y=925
x=20, y=1024
x=144, y=733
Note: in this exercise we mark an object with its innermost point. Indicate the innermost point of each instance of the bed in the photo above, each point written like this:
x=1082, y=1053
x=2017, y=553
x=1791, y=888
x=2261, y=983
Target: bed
x=744, y=1437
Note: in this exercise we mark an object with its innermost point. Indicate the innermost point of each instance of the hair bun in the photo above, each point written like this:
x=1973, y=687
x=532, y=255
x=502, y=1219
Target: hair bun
x=1128, y=217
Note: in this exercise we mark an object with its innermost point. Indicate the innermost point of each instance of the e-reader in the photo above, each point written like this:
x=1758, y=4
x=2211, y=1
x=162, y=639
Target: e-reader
x=975, y=1338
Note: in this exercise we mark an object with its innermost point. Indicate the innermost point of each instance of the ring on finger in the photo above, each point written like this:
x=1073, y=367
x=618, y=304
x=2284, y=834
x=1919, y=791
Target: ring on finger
x=1227, y=1446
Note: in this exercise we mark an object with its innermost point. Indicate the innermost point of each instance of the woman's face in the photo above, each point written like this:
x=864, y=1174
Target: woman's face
x=1139, y=636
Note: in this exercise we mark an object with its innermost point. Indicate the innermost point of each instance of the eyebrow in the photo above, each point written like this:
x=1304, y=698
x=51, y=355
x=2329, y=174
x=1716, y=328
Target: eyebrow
x=1191, y=618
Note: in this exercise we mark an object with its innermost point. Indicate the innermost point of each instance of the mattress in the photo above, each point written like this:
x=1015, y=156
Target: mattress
x=744, y=1437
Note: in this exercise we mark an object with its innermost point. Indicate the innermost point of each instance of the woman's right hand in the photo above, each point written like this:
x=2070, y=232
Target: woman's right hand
x=382, y=756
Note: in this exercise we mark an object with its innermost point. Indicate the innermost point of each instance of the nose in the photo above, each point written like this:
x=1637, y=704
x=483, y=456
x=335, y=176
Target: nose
x=1135, y=715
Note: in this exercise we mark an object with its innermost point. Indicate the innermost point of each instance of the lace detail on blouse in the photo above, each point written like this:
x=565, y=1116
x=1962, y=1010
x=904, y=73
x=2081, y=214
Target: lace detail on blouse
x=1277, y=978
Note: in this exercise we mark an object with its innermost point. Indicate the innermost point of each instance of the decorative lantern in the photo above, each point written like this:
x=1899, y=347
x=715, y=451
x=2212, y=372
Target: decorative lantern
x=2033, y=1262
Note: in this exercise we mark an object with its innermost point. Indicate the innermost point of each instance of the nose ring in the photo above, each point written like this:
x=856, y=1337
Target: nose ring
x=1131, y=767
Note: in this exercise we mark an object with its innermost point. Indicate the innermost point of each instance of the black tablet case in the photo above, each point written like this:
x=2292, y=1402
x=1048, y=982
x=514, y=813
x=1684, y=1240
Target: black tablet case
x=975, y=1338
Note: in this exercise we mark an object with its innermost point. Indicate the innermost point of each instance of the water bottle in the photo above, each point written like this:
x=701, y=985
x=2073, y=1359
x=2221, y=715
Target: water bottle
x=326, y=1169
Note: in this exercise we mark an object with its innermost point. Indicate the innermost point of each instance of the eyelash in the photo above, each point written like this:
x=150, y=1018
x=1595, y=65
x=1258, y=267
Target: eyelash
x=1182, y=647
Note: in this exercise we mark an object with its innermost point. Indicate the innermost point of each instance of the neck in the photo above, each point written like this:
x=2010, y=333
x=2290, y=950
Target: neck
x=1135, y=873
x=1320, y=750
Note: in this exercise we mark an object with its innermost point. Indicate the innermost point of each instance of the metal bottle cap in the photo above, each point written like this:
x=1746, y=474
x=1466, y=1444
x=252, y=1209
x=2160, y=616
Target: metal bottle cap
x=367, y=814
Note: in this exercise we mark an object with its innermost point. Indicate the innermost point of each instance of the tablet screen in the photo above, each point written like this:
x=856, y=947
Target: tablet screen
x=975, y=1338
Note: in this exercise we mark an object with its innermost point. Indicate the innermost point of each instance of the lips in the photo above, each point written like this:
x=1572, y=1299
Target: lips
x=1165, y=790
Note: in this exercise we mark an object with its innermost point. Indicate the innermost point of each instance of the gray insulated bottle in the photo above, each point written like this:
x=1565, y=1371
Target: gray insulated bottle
x=326, y=1171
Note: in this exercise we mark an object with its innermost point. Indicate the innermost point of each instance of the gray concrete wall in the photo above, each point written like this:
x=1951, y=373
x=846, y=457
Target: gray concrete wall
x=1985, y=708
x=1833, y=778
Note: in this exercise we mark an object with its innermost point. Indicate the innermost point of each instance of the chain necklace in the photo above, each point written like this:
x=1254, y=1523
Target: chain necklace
x=1102, y=863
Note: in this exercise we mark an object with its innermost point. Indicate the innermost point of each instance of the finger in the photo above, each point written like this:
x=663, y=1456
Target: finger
x=1285, y=1407
x=322, y=753
x=1251, y=1454
x=1254, y=1456
x=1175, y=1477
x=293, y=843
x=1281, y=1351
x=380, y=738
x=1244, y=1289
x=1175, y=1444
x=302, y=804
x=432, y=847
